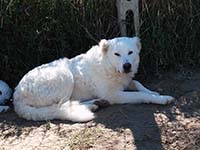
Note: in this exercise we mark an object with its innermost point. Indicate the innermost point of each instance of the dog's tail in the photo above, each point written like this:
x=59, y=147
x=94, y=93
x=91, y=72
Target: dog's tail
x=70, y=110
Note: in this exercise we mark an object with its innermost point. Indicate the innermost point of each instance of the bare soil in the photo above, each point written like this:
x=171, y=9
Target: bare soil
x=120, y=127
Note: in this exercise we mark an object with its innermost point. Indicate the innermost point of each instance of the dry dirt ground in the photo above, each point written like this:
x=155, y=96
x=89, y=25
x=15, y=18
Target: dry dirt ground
x=120, y=127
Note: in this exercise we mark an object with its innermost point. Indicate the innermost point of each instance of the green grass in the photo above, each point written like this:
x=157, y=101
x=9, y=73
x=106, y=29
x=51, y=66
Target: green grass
x=36, y=32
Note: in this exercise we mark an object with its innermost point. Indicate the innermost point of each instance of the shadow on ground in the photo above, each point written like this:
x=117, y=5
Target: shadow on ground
x=141, y=127
x=139, y=119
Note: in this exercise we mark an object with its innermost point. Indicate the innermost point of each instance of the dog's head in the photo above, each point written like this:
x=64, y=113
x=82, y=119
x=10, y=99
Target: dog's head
x=122, y=53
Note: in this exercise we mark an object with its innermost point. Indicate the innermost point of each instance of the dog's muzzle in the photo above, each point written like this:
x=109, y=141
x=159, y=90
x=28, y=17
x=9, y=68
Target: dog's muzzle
x=127, y=67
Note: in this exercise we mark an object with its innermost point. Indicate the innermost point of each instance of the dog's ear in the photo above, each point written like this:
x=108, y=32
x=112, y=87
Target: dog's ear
x=103, y=44
x=138, y=43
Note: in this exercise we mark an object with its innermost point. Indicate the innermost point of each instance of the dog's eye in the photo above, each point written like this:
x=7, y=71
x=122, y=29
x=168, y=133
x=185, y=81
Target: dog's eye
x=0, y=93
x=117, y=54
x=129, y=53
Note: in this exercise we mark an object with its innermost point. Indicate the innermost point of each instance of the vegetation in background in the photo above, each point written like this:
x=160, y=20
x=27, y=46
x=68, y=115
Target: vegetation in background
x=39, y=31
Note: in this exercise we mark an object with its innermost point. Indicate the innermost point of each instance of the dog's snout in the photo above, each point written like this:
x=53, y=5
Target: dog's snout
x=127, y=67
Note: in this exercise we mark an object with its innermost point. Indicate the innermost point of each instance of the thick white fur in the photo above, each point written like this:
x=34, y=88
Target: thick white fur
x=5, y=94
x=56, y=90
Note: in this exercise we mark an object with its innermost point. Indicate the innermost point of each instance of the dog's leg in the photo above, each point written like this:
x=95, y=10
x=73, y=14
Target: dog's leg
x=4, y=108
x=136, y=85
x=139, y=97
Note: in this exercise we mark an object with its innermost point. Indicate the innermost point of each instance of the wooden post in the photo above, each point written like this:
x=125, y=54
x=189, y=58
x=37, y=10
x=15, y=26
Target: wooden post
x=122, y=7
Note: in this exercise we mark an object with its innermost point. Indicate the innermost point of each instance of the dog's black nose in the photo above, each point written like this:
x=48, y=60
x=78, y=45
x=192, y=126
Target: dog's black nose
x=127, y=67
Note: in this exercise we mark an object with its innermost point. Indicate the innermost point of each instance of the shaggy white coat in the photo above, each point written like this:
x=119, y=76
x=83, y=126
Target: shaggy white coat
x=5, y=94
x=56, y=90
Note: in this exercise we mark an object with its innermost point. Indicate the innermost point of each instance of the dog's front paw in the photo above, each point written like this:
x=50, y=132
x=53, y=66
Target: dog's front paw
x=165, y=99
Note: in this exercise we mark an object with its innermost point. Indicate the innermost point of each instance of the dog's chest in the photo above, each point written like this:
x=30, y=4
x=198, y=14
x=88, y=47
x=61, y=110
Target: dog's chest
x=119, y=81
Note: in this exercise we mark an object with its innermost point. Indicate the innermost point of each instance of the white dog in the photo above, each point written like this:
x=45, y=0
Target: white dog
x=57, y=90
x=5, y=94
